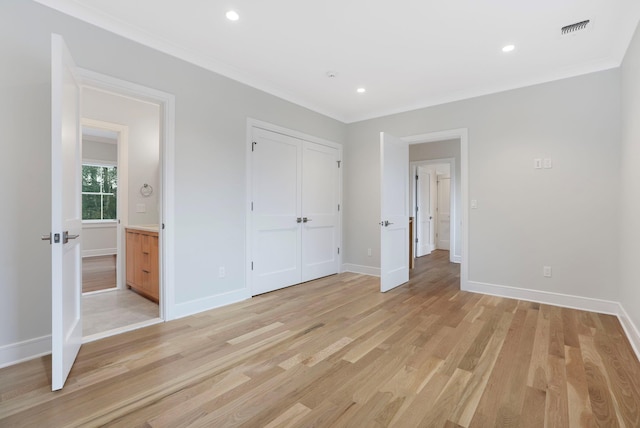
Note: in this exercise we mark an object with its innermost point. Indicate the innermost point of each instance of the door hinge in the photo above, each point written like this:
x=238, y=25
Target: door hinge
x=162, y=226
x=251, y=265
x=251, y=205
x=338, y=250
x=416, y=178
x=416, y=240
x=253, y=145
x=338, y=207
x=339, y=162
x=417, y=209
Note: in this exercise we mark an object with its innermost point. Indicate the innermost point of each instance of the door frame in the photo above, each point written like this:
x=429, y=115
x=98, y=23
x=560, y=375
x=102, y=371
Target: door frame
x=463, y=135
x=166, y=237
x=122, y=198
x=255, y=123
x=452, y=203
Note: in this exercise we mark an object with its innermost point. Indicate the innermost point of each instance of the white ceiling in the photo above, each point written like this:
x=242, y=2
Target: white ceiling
x=406, y=53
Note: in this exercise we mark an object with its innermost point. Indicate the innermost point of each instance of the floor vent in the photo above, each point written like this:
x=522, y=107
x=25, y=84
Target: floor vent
x=568, y=29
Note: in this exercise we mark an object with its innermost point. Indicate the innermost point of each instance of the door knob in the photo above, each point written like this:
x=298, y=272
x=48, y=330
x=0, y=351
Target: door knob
x=305, y=220
x=299, y=220
x=385, y=223
x=66, y=236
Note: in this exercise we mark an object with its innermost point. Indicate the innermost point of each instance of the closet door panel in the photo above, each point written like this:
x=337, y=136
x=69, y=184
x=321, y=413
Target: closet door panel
x=276, y=188
x=320, y=199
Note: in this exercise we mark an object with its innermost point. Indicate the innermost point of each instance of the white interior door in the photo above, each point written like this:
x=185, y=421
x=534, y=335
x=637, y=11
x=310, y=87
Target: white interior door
x=425, y=212
x=276, y=188
x=320, y=179
x=66, y=214
x=444, y=213
x=394, y=211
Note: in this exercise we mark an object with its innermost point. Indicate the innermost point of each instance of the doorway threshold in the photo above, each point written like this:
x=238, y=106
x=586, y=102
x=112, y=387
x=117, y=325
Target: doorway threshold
x=120, y=330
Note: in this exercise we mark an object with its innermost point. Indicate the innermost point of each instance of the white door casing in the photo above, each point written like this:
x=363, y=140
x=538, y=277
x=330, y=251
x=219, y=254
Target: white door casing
x=320, y=199
x=394, y=215
x=276, y=189
x=444, y=213
x=66, y=213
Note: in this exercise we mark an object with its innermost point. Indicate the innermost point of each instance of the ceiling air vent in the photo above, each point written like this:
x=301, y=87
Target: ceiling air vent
x=568, y=29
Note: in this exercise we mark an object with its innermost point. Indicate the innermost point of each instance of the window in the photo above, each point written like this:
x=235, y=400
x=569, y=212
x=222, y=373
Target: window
x=99, y=187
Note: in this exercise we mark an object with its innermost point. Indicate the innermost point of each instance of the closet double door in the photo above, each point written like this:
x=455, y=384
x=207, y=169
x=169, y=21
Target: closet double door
x=294, y=211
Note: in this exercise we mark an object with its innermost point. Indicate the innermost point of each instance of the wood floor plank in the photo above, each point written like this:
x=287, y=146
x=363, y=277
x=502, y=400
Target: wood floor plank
x=337, y=352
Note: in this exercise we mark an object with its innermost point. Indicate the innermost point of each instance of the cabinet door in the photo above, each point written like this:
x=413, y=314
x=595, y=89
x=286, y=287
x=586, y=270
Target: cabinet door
x=320, y=199
x=131, y=256
x=275, y=232
x=154, y=274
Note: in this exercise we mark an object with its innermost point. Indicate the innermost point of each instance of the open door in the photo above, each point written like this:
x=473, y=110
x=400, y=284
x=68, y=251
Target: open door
x=425, y=204
x=394, y=211
x=66, y=214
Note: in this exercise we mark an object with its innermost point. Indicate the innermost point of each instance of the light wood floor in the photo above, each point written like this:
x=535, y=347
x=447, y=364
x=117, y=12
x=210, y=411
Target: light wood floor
x=337, y=352
x=98, y=273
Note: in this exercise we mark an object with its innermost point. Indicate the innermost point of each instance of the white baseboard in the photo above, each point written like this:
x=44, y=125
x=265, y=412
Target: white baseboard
x=193, y=307
x=364, y=270
x=100, y=252
x=632, y=330
x=15, y=353
x=457, y=259
x=557, y=299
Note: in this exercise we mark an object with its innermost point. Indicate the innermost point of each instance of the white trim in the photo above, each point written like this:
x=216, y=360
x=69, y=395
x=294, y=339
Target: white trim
x=100, y=252
x=255, y=123
x=19, y=352
x=166, y=236
x=632, y=330
x=463, y=135
x=457, y=259
x=104, y=290
x=546, y=297
x=193, y=307
x=97, y=162
x=120, y=330
x=364, y=270
x=99, y=224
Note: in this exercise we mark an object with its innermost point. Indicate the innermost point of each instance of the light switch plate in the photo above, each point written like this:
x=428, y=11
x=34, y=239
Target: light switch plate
x=548, y=163
x=474, y=204
x=537, y=163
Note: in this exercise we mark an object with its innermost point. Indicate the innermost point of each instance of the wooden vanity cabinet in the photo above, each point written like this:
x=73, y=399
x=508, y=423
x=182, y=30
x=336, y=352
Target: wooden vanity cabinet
x=142, y=262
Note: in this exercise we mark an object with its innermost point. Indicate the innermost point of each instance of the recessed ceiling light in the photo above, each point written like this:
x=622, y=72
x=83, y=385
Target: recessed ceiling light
x=361, y=90
x=508, y=48
x=232, y=15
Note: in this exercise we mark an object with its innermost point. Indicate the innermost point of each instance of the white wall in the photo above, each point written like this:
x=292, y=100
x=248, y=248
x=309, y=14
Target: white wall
x=630, y=188
x=143, y=122
x=210, y=132
x=100, y=151
x=444, y=150
x=527, y=218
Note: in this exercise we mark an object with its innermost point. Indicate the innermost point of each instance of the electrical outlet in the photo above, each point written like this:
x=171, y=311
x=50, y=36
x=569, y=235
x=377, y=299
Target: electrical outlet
x=547, y=163
x=221, y=272
x=369, y=252
x=537, y=163
x=474, y=204
x=546, y=271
